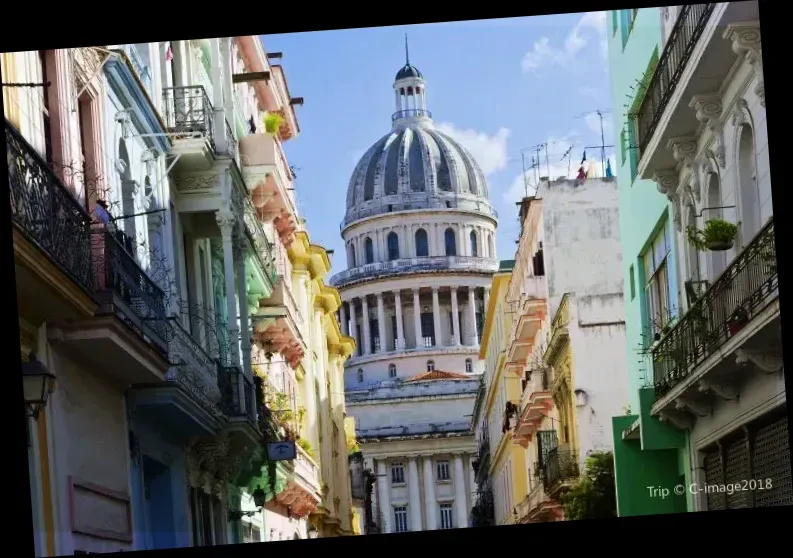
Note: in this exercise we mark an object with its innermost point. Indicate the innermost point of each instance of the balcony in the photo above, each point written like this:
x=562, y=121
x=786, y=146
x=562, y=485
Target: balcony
x=130, y=327
x=270, y=182
x=303, y=493
x=52, y=238
x=532, y=311
x=411, y=113
x=537, y=507
x=261, y=246
x=695, y=62
x=536, y=404
x=738, y=313
x=189, y=401
x=377, y=270
x=483, y=513
x=190, y=119
x=278, y=324
x=237, y=395
x=559, y=471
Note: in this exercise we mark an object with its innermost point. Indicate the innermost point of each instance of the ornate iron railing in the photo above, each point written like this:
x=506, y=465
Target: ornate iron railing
x=679, y=46
x=193, y=370
x=135, y=294
x=46, y=212
x=559, y=465
x=188, y=112
x=742, y=290
x=236, y=393
x=261, y=244
x=412, y=265
x=410, y=113
x=232, y=148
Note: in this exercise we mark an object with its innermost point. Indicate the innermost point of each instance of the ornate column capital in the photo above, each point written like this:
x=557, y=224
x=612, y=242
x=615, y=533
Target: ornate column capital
x=415, y=291
x=738, y=117
x=746, y=41
x=667, y=181
x=226, y=221
x=708, y=109
x=435, y=289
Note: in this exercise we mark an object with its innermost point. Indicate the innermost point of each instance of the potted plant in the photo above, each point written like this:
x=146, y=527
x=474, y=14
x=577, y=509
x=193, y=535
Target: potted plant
x=306, y=446
x=718, y=235
x=737, y=320
x=272, y=122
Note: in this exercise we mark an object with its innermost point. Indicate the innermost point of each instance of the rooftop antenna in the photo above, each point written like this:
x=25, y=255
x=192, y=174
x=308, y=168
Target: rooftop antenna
x=525, y=178
x=602, y=147
x=568, y=155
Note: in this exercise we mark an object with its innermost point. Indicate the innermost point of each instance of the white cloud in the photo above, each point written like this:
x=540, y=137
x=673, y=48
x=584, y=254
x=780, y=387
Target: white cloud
x=489, y=151
x=591, y=25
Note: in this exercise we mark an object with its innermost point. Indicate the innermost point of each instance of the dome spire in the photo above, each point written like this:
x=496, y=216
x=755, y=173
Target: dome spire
x=410, y=94
x=407, y=52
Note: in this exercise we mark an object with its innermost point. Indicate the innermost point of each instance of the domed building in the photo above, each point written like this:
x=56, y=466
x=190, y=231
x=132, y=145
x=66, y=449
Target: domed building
x=419, y=232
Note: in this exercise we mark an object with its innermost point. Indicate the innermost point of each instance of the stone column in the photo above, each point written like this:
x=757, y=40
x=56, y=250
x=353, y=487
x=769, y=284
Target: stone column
x=456, y=317
x=460, y=499
x=439, y=233
x=381, y=323
x=472, y=315
x=383, y=497
x=354, y=323
x=367, y=334
x=429, y=495
x=226, y=220
x=417, y=318
x=400, y=332
x=414, y=495
x=345, y=326
x=436, y=317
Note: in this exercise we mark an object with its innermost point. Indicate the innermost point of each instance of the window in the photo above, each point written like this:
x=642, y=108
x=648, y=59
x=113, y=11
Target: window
x=400, y=519
x=443, y=471
x=451, y=242
x=430, y=365
x=45, y=109
x=369, y=247
x=392, y=370
x=360, y=375
x=446, y=516
x=656, y=276
x=422, y=244
x=393, y=246
x=428, y=329
x=474, y=251
x=397, y=473
x=469, y=365
x=632, y=281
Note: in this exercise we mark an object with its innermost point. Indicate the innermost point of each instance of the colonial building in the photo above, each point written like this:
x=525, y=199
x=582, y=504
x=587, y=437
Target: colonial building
x=714, y=403
x=507, y=462
x=483, y=510
x=419, y=233
x=566, y=341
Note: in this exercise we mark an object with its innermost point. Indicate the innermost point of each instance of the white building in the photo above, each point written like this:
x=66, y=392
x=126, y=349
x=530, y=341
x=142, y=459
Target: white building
x=718, y=372
x=420, y=241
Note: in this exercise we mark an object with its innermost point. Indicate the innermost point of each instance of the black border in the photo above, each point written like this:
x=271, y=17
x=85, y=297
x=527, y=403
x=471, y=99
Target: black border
x=72, y=27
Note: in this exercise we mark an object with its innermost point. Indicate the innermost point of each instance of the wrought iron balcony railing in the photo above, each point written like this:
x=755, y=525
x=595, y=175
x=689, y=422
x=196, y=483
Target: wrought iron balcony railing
x=559, y=465
x=232, y=143
x=236, y=393
x=410, y=113
x=679, y=46
x=46, y=212
x=189, y=112
x=261, y=245
x=743, y=289
x=135, y=297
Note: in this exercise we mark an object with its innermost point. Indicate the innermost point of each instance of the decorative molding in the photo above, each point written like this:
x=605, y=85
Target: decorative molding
x=197, y=182
x=667, y=181
x=226, y=221
x=681, y=421
x=725, y=391
x=768, y=361
x=739, y=109
x=709, y=109
x=696, y=407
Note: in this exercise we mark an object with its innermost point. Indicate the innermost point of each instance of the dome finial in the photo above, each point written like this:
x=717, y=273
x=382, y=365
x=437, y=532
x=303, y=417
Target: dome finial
x=407, y=52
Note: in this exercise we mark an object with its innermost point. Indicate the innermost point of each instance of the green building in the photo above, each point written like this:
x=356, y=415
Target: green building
x=647, y=452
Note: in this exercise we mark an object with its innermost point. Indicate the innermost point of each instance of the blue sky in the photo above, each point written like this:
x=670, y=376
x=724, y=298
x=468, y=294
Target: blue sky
x=498, y=86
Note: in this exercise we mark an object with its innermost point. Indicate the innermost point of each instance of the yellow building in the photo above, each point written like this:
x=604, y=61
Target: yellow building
x=502, y=394
x=322, y=385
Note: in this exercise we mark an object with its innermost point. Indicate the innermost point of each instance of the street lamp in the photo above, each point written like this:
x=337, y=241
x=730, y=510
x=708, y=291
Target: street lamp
x=259, y=499
x=38, y=384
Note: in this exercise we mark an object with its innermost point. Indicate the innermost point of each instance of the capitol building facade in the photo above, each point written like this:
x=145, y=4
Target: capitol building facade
x=419, y=232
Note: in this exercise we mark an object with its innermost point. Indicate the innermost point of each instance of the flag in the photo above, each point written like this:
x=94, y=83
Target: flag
x=583, y=159
x=609, y=173
x=168, y=53
x=581, y=173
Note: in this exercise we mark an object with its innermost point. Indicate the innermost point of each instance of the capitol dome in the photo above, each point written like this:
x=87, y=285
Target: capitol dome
x=415, y=166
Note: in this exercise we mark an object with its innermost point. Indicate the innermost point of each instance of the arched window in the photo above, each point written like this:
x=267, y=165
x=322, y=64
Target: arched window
x=360, y=375
x=469, y=365
x=474, y=251
x=749, y=193
x=393, y=246
x=451, y=242
x=351, y=255
x=369, y=246
x=392, y=370
x=422, y=244
x=430, y=365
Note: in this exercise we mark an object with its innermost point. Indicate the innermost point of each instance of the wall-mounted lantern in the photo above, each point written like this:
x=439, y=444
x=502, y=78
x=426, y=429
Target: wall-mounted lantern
x=38, y=384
